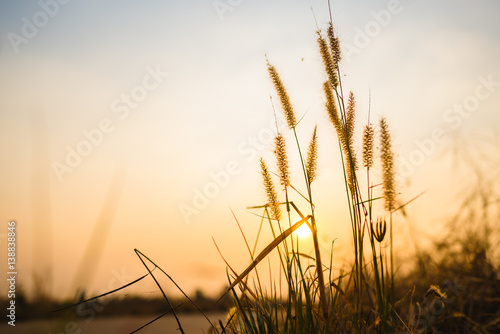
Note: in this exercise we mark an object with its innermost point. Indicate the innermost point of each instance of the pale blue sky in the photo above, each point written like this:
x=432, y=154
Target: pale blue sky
x=204, y=114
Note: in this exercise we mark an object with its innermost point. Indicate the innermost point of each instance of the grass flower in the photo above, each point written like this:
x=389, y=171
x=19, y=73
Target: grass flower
x=334, y=45
x=312, y=157
x=283, y=95
x=368, y=134
x=387, y=159
x=282, y=161
x=272, y=197
x=328, y=61
x=333, y=112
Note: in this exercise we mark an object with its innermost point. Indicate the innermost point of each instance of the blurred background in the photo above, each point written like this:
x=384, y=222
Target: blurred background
x=128, y=124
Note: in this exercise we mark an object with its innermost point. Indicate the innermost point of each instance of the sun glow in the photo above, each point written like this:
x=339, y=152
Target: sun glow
x=303, y=231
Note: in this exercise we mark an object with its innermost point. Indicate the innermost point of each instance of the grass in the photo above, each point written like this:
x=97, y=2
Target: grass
x=361, y=299
x=369, y=296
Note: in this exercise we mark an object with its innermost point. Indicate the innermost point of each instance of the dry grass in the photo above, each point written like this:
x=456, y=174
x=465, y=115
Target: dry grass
x=456, y=287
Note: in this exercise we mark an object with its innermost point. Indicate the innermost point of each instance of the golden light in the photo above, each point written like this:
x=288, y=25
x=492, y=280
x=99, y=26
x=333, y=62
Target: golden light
x=303, y=231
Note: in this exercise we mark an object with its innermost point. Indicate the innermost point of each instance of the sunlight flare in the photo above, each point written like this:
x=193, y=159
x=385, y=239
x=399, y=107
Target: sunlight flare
x=303, y=232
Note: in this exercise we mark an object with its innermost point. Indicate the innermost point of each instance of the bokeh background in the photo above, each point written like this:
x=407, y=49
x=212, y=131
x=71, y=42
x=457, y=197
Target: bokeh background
x=127, y=124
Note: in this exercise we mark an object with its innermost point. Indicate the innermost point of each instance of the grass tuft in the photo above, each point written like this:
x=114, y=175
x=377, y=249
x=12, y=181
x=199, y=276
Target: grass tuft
x=306, y=296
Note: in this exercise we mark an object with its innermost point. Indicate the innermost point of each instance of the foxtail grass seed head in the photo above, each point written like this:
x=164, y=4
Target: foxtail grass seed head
x=368, y=146
x=330, y=66
x=334, y=45
x=272, y=198
x=350, y=155
x=282, y=161
x=312, y=157
x=350, y=172
x=387, y=159
x=332, y=109
x=333, y=113
x=283, y=95
x=350, y=120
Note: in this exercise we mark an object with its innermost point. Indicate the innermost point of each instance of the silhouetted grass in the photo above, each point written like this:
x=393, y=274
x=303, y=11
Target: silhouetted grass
x=453, y=287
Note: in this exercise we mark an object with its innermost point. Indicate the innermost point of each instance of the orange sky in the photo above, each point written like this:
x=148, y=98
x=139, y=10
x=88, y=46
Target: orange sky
x=147, y=121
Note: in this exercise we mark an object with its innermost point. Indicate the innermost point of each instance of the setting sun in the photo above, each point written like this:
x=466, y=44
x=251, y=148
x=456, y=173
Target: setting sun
x=303, y=231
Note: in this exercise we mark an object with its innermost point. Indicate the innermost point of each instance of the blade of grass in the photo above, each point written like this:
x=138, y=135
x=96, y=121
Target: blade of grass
x=176, y=285
x=102, y=295
x=266, y=251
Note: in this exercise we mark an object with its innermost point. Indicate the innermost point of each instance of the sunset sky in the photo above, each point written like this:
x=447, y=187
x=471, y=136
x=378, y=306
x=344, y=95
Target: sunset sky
x=140, y=124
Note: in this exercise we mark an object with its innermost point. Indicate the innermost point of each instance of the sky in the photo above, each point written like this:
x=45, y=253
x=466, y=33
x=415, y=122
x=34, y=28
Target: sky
x=138, y=125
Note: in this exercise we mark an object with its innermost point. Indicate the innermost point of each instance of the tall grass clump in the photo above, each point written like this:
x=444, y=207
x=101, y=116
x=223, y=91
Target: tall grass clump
x=313, y=294
x=310, y=293
x=317, y=298
x=456, y=283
